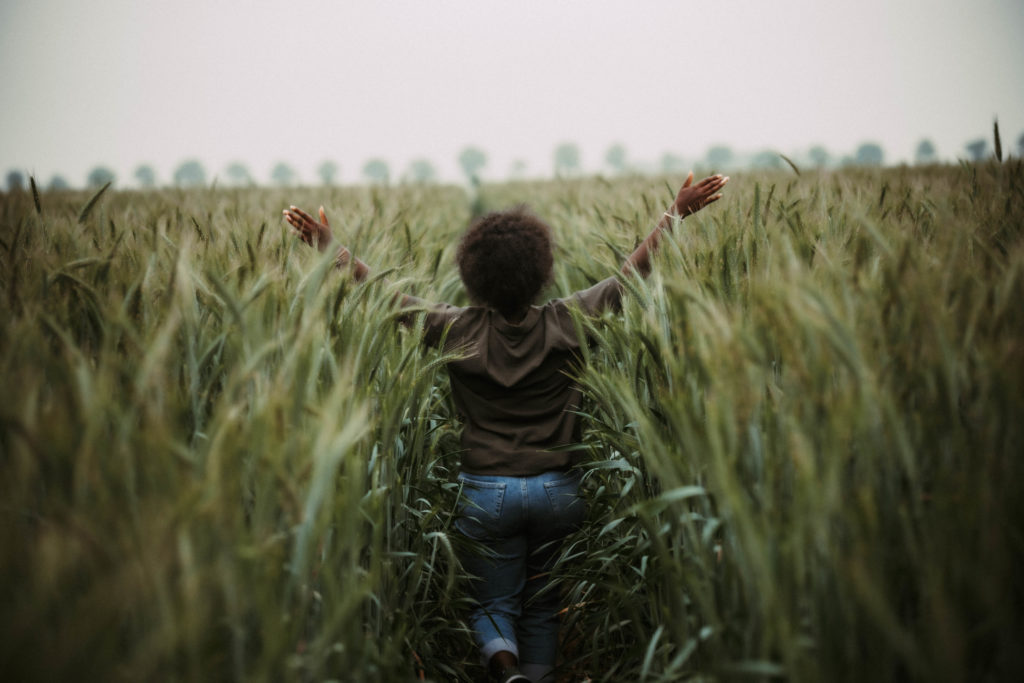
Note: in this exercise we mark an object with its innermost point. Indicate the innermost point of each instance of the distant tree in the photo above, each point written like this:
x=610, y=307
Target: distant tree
x=719, y=157
x=377, y=171
x=518, y=169
x=925, y=153
x=283, y=174
x=567, y=159
x=472, y=159
x=422, y=171
x=190, y=174
x=328, y=171
x=145, y=175
x=1020, y=146
x=58, y=182
x=819, y=156
x=99, y=176
x=869, y=154
x=238, y=174
x=671, y=163
x=766, y=159
x=977, y=150
x=616, y=158
x=15, y=181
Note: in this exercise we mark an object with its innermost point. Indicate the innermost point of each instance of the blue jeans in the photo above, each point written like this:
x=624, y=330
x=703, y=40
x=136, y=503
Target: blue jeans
x=521, y=523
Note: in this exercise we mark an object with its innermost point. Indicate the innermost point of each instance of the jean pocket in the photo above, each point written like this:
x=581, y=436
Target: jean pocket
x=480, y=508
x=567, y=507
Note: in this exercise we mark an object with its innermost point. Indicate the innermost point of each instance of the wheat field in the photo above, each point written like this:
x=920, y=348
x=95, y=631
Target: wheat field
x=220, y=459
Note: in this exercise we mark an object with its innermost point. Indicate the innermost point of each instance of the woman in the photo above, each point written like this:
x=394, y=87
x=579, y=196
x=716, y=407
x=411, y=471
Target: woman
x=513, y=388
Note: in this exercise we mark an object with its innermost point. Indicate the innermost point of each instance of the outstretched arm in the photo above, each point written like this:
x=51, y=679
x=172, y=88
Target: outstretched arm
x=691, y=199
x=318, y=234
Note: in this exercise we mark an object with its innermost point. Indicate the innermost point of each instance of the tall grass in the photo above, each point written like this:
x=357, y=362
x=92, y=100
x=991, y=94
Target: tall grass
x=815, y=407
x=222, y=460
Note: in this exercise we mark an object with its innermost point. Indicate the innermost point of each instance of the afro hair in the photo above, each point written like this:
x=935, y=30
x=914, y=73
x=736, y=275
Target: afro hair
x=505, y=259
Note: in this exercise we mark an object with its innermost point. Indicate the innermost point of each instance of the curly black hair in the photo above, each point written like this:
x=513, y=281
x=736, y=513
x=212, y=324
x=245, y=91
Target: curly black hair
x=505, y=259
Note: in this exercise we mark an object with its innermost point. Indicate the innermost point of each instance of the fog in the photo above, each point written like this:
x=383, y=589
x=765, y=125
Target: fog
x=121, y=83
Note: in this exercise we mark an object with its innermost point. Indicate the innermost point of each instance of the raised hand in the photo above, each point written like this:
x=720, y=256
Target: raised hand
x=692, y=198
x=313, y=233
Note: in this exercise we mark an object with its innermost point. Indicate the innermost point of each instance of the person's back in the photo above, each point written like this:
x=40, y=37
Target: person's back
x=514, y=383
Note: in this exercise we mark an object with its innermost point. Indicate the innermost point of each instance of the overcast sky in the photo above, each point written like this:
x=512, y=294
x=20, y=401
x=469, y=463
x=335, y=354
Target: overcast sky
x=126, y=82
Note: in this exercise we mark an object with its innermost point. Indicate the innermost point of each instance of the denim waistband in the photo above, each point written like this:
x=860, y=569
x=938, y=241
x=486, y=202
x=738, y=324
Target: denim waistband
x=542, y=478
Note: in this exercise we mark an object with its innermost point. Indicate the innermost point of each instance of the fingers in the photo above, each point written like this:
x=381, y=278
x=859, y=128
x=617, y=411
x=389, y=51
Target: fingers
x=693, y=198
x=707, y=186
x=712, y=184
x=300, y=213
x=303, y=225
x=293, y=220
x=718, y=180
x=306, y=228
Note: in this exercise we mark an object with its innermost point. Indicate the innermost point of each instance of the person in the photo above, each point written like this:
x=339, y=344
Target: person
x=513, y=387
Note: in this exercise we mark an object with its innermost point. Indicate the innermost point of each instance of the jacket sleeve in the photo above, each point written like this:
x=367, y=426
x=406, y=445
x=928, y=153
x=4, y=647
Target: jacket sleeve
x=606, y=295
x=437, y=318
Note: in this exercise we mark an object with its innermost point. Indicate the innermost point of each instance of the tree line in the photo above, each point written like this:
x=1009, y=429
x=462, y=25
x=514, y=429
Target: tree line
x=566, y=160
